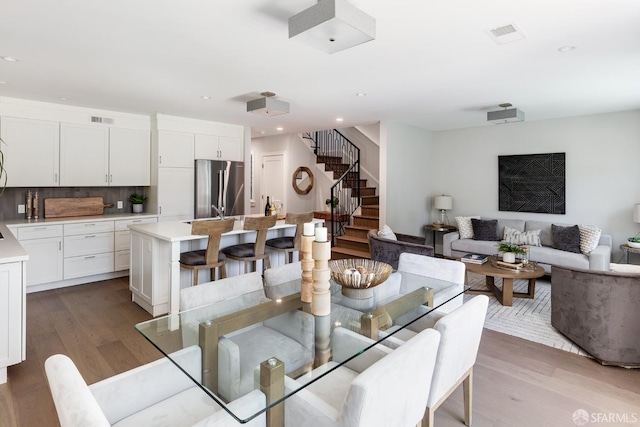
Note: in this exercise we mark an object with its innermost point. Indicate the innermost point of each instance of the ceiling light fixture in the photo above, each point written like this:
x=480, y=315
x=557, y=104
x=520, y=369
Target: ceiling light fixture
x=564, y=49
x=361, y=94
x=10, y=58
x=205, y=97
x=332, y=26
x=279, y=129
x=507, y=115
x=267, y=106
x=339, y=119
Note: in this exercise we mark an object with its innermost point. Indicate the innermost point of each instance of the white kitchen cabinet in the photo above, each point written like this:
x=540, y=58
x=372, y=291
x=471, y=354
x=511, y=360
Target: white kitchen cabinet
x=11, y=317
x=129, y=157
x=148, y=293
x=175, y=193
x=213, y=147
x=31, y=152
x=84, y=155
x=88, y=248
x=175, y=149
x=122, y=241
x=43, y=243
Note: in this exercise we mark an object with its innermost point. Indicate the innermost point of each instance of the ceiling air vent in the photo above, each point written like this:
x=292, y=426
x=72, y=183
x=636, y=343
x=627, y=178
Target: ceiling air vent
x=506, y=33
x=103, y=120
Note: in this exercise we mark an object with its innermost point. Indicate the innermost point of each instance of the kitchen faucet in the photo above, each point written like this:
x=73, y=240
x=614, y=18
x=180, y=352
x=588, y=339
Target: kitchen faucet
x=220, y=211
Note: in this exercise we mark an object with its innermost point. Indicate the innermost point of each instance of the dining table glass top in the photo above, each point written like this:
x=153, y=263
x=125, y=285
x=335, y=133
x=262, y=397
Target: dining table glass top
x=244, y=343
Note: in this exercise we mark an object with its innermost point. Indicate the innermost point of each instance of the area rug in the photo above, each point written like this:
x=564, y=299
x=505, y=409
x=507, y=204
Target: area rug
x=529, y=319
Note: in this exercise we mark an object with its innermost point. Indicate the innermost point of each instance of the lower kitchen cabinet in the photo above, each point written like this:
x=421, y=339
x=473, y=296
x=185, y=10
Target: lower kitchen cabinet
x=45, y=260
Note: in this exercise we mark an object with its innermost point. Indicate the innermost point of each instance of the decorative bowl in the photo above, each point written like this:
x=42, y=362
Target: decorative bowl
x=633, y=244
x=359, y=274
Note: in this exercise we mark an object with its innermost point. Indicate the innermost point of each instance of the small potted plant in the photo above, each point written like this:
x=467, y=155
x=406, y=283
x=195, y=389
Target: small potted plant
x=633, y=242
x=509, y=251
x=137, y=200
x=333, y=202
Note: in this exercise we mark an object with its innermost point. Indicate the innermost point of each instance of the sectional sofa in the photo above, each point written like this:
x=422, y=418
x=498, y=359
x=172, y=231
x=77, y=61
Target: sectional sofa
x=546, y=255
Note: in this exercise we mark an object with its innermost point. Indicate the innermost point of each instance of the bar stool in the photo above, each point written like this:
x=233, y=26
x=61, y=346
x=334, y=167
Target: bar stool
x=289, y=244
x=209, y=258
x=252, y=252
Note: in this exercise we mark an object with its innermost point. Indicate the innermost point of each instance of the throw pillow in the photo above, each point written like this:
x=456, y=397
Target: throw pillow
x=485, y=229
x=517, y=237
x=589, y=238
x=464, y=226
x=566, y=238
x=386, y=233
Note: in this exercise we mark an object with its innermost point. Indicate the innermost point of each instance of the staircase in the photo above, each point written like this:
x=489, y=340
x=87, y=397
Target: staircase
x=354, y=243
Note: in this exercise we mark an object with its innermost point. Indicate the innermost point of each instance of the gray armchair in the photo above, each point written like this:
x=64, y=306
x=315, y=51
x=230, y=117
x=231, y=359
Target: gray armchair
x=388, y=250
x=598, y=310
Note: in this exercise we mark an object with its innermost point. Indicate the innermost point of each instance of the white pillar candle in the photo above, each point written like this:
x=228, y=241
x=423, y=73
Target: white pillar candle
x=308, y=228
x=321, y=234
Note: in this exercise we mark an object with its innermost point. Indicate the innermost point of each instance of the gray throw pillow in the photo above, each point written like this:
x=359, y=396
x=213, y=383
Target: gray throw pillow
x=566, y=238
x=485, y=229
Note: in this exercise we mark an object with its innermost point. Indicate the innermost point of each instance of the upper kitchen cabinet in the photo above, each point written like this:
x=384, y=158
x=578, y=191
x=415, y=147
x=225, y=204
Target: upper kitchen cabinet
x=129, y=157
x=84, y=155
x=175, y=149
x=211, y=147
x=31, y=152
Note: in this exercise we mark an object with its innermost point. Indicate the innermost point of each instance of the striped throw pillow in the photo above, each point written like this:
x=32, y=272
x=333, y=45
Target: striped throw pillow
x=517, y=237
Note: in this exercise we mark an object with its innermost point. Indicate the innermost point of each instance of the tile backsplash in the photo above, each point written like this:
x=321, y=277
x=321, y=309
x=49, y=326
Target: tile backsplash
x=13, y=197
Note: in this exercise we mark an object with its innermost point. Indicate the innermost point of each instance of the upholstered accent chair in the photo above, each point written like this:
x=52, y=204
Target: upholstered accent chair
x=291, y=244
x=209, y=258
x=461, y=332
x=378, y=388
x=157, y=394
x=240, y=352
x=388, y=250
x=599, y=311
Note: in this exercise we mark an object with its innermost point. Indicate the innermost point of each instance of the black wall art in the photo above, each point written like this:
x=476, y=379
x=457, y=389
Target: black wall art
x=532, y=183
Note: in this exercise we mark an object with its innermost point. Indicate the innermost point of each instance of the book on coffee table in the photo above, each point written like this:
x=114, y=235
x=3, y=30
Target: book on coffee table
x=474, y=258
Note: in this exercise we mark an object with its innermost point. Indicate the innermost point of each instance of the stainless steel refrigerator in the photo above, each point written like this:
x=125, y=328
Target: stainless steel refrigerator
x=219, y=183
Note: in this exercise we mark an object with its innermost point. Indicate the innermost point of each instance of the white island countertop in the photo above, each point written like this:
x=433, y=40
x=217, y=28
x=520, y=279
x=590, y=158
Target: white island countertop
x=10, y=249
x=178, y=231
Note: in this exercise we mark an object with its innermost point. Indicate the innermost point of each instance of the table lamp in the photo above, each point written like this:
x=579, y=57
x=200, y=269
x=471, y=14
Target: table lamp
x=443, y=204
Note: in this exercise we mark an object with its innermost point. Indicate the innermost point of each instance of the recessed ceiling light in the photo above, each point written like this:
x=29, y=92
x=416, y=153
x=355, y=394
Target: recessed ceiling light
x=339, y=119
x=262, y=132
x=205, y=97
x=10, y=58
x=564, y=49
x=278, y=128
x=361, y=94
x=2, y=83
x=62, y=98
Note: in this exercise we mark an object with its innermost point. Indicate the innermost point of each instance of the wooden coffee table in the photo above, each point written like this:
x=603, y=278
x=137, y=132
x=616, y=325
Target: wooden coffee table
x=505, y=296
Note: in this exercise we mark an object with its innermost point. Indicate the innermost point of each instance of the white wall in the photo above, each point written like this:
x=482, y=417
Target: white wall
x=405, y=184
x=602, y=170
x=295, y=154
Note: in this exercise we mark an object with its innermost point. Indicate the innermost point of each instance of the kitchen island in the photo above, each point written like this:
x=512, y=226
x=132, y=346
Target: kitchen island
x=13, y=327
x=156, y=278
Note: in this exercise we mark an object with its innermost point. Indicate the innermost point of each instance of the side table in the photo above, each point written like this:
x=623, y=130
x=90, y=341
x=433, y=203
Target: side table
x=626, y=249
x=437, y=228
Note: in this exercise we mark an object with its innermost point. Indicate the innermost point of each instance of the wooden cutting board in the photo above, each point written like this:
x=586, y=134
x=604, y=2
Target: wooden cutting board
x=60, y=207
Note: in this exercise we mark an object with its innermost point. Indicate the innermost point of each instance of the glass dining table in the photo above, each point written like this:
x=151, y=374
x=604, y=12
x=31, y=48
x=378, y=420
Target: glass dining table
x=399, y=301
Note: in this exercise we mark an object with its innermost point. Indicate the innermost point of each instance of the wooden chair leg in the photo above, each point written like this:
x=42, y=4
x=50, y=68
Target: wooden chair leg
x=427, y=420
x=195, y=276
x=266, y=263
x=223, y=271
x=467, y=386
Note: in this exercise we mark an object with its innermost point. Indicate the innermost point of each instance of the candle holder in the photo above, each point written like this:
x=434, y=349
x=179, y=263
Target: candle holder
x=306, y=287
x=321, y=302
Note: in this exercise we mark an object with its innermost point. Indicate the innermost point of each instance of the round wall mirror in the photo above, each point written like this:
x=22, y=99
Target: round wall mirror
x=302, y=180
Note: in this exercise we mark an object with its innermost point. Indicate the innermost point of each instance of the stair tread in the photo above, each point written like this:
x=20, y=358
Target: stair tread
x=366, y=217
x=351, y=252
x=352, y=239
x=358, y=227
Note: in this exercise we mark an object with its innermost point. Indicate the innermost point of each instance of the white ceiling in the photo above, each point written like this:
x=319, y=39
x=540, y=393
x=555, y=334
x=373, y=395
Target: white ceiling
x=431, y=65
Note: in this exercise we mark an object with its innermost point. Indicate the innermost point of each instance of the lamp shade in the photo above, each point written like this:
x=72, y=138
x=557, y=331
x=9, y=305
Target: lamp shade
x=443, y=203
x=636, y=213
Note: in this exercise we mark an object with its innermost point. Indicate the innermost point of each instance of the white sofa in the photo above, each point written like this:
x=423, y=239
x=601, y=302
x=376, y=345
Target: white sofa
x=545, y=255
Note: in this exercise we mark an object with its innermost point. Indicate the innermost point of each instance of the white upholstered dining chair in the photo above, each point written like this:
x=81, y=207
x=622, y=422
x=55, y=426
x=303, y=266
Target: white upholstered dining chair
x=157, y=394
x=380, y=387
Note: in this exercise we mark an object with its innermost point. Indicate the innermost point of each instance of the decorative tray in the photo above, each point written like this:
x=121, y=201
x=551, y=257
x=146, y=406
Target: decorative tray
x=497, y=262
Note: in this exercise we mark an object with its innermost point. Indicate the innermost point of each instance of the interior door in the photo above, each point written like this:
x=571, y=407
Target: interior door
x=272, y=182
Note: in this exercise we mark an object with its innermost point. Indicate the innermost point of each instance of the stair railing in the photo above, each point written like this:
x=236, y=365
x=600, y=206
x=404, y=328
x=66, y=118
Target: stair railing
x=335, y=150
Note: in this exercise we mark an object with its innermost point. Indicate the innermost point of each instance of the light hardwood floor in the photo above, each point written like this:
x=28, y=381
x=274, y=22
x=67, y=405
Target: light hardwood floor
x=517, y=383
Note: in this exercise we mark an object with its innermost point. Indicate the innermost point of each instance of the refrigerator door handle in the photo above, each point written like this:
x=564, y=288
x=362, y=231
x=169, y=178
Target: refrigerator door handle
x=221, y=189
